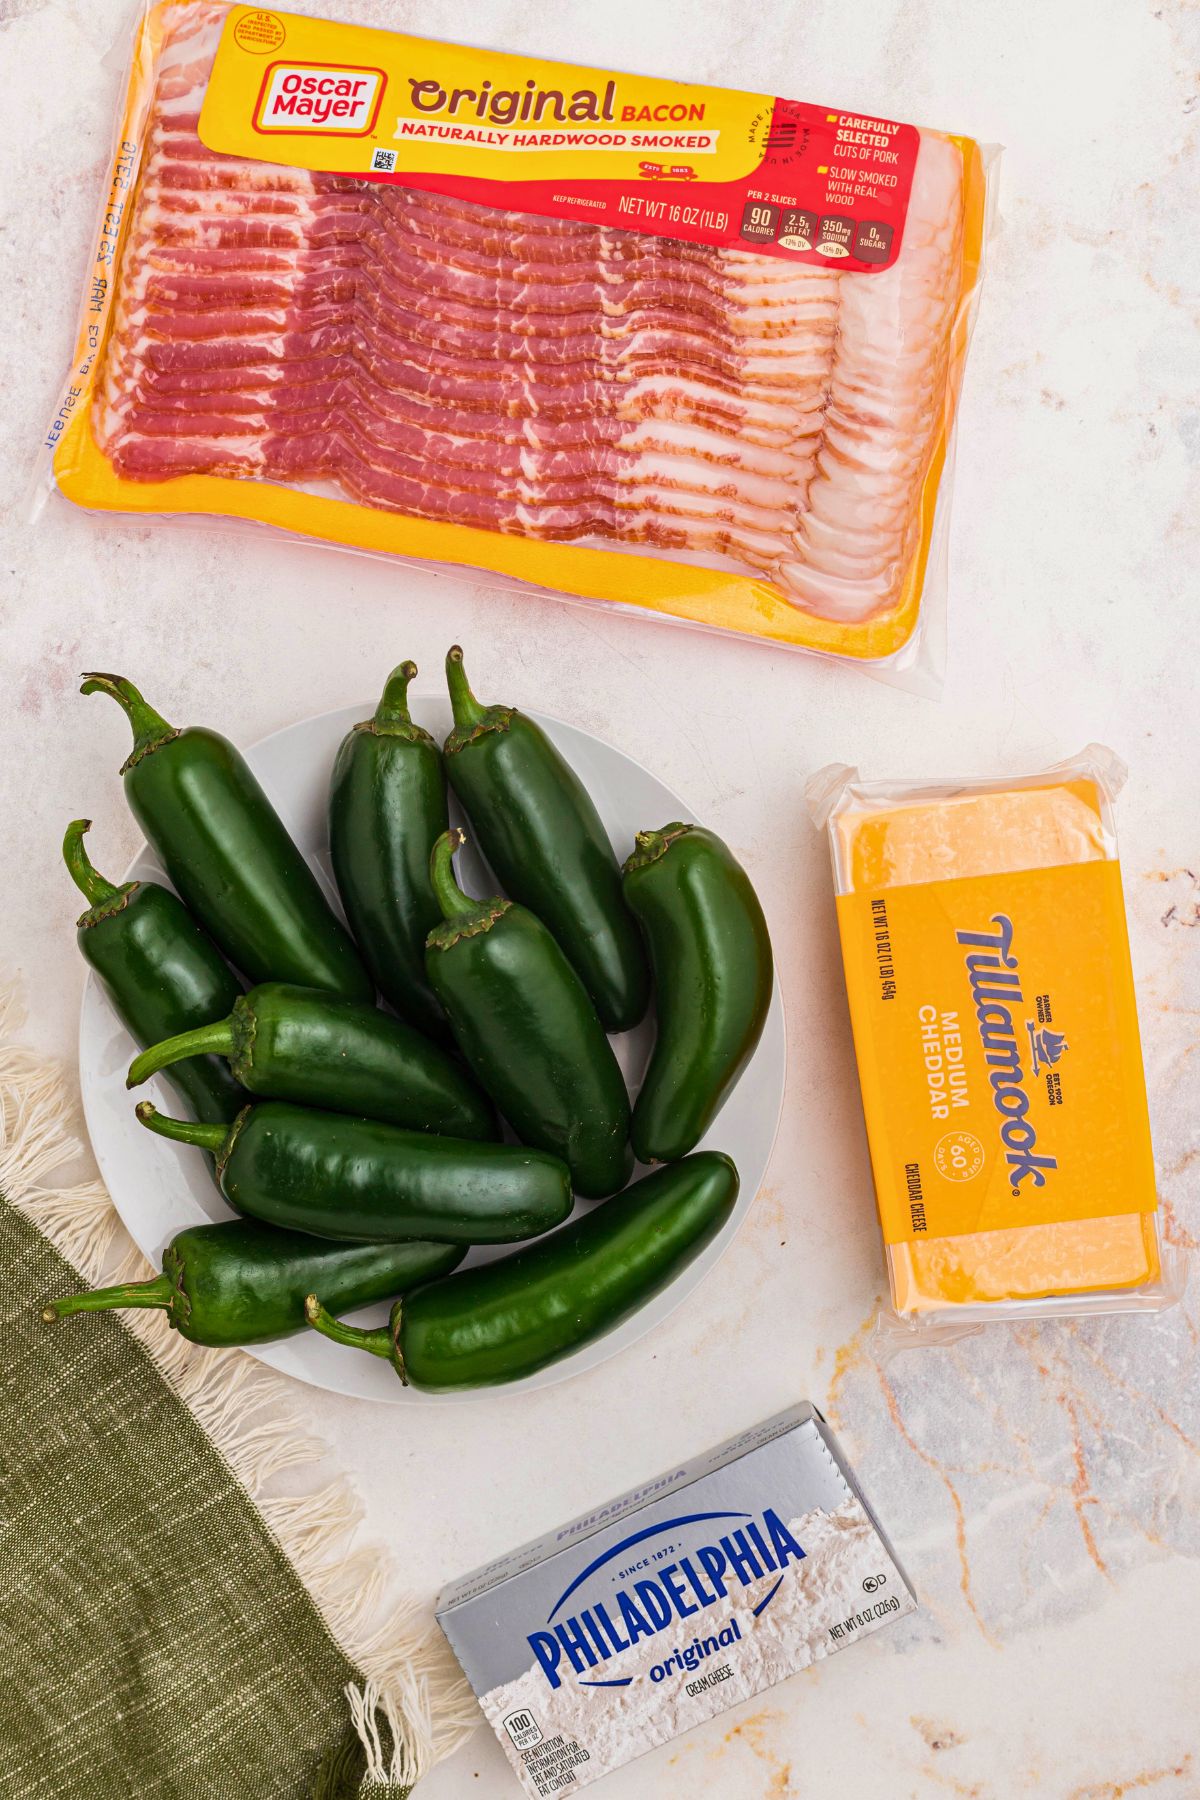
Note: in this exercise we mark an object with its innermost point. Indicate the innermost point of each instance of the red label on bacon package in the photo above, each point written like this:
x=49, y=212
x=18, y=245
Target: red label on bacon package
x=703, y=165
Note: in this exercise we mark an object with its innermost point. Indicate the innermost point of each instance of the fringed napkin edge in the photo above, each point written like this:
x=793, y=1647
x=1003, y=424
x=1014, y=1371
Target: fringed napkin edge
x=413, y=1707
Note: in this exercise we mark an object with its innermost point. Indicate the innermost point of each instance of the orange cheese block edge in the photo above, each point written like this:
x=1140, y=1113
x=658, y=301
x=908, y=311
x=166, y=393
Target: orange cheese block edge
x=1026, y=827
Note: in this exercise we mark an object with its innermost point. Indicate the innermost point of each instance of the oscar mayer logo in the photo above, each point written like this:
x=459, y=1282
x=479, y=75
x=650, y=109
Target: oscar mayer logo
x=339, y=98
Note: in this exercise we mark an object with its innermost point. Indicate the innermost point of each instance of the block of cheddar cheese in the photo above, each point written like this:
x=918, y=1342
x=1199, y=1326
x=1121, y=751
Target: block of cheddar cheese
x=988, y=971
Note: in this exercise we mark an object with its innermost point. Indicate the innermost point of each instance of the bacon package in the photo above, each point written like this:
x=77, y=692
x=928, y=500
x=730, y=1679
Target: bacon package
x=687, y=349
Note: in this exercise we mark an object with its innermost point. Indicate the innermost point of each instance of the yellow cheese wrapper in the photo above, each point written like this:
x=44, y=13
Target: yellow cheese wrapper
x=917, y=878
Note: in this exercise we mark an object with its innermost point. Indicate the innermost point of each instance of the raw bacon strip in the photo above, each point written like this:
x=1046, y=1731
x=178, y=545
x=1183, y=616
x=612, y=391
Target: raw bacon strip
x=470, y=384
x=548, y=377
x=659, y=411
x=214, y=308
x=859, y=527
x=741, y=306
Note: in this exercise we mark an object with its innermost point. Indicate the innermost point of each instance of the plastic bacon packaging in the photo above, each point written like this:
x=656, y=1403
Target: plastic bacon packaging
x=995, y=1026
x=686, y=349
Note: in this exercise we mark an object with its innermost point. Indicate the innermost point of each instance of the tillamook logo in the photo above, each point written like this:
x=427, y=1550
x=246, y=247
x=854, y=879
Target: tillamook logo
x=319, y=97
x=995, y=990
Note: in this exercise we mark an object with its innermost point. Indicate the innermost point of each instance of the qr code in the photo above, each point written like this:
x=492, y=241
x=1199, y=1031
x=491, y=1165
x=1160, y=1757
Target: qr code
x=384, y=160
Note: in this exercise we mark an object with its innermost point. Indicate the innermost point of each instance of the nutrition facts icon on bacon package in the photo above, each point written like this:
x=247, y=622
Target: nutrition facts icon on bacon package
x=797, y=228
x=873, y=241
x=759, y=221
x=836, y=236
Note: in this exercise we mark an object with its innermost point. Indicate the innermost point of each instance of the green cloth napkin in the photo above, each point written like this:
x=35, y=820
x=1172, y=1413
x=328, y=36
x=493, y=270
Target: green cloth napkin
x=157, y=1641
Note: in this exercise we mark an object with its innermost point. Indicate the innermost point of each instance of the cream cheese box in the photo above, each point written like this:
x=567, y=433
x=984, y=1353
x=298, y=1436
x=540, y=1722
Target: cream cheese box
x=668, y=1605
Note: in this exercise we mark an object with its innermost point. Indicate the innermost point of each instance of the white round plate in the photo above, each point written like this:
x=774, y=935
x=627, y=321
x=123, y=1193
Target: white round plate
x=159, y=1188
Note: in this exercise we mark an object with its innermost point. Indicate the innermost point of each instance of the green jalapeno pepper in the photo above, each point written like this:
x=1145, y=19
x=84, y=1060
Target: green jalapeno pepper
x=524, y=1022
x=387, y=809
x=241, y=1283
x=291, y=1043
x=159, y=970
x=541, y=833
x=511, y=1317
x=710, y=956
x=228, y=853
x=361, y=1181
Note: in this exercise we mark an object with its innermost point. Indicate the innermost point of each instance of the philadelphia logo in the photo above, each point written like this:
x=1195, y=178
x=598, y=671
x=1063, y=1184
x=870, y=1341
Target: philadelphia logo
x=995, y=991
x=680, y=1590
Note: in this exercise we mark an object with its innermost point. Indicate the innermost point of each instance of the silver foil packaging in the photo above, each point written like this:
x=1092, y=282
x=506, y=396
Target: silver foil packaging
x=665, y=1607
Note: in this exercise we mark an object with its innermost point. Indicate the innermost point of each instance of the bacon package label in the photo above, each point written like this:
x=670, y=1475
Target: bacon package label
x=699, y=165
x=681, y=348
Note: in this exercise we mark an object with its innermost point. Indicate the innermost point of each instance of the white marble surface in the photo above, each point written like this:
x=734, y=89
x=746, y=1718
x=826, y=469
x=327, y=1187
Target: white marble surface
x=1042, y=1486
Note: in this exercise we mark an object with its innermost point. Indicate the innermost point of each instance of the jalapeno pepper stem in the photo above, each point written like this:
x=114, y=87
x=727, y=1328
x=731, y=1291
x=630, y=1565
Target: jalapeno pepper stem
x=446, y=891
x=155, y=1292
x=393, y=703
x=149, y=727
x=216, y=1039
x=183, y=1131
x=378, y=1341
x=468, y=712
x=87, y=879
x=650, y=845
